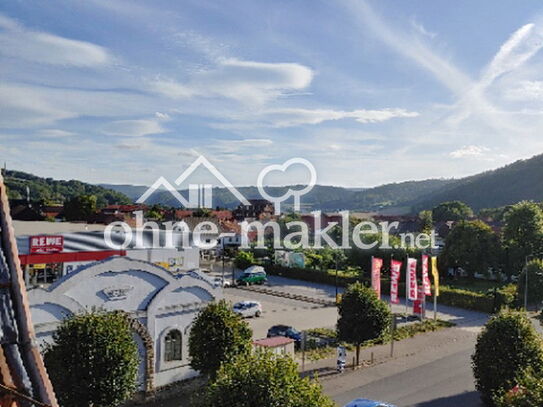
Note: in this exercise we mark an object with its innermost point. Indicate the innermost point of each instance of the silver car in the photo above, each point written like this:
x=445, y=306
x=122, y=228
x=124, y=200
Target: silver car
x=248, y=309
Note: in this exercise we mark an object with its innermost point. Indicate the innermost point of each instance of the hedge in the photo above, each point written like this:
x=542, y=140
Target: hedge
x=489, y=302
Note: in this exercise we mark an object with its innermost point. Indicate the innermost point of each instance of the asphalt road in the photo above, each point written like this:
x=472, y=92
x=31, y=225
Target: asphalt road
x=444, y=382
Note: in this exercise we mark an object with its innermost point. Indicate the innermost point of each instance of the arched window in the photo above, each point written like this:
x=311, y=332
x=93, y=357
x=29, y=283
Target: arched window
x=173, y=346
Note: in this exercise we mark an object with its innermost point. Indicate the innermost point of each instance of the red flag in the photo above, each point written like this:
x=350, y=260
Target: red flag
x=412, y=279
x=425, y=278
x=395, y=273
x=376, y=266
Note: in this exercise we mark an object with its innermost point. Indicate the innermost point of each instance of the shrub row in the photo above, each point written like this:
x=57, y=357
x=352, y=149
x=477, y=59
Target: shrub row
x=489, y=302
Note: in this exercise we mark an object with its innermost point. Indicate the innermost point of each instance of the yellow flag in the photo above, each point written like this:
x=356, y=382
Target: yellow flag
x=435, y=273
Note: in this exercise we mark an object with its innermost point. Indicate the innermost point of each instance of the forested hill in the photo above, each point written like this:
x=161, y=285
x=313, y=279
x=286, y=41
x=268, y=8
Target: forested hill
x=522, y=180
x=321, y=197
x=54, y=191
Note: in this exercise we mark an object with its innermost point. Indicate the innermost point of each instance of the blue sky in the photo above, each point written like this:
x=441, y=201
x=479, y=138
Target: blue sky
x=370, y=92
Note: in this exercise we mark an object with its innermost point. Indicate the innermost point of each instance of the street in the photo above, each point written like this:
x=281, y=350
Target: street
x=444, y=382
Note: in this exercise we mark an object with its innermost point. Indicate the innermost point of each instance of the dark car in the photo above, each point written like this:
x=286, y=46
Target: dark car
x=287, y=331
x=367, y=403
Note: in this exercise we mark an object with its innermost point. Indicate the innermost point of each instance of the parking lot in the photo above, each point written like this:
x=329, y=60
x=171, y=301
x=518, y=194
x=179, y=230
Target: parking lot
x=305, y=315
x=277, y=310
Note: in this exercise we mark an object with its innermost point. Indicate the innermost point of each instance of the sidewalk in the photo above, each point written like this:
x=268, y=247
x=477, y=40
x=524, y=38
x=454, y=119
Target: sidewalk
x=418, y=345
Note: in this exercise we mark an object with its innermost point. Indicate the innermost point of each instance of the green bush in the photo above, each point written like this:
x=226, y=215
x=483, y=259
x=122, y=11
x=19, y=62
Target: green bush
x=527, y=391
x=244, y=259
x=262, y=379
x=507, y=345
x=93, y=360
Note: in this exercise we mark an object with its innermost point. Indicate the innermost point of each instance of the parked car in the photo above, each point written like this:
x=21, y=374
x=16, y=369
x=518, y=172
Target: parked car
x=219, y=282
x=248, y=309
x=287, y=331
x=253, y=275
x=367, y=403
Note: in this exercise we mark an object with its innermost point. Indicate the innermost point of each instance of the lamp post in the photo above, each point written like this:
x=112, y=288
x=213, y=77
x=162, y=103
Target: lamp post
x=336, y=277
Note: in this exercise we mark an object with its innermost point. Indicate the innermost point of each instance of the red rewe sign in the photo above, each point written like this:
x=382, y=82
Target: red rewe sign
x=46, y=244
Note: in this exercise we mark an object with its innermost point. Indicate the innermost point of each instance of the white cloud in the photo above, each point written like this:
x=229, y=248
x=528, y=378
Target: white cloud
x=133, y=128
x=26, y=107
x=18, y=42
x=412, y=48
x=55, y=133
x=23, y=106
x=288, y=117
x=250, y=142
x=245, y=81
x=421, y=29
x=522, y=45
x=469, y=151
x=162, y=116
x=525, y=91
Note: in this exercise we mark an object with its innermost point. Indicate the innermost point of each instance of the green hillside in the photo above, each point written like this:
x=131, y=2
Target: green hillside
x=323, y=197
x=522, y=180
x=57, y=191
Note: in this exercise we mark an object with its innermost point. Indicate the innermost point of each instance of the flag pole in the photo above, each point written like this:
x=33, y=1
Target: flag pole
x=434, y=272
x=406, y=285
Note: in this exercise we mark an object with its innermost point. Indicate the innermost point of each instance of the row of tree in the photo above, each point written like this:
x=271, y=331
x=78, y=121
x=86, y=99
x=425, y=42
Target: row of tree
x=477, y=248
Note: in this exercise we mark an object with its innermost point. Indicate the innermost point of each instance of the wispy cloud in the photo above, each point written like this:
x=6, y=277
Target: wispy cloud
x=412, y=48
x=245, y=81
x=17, y=41
x=133, y=128
x=288, y=117
x=55, y=133
x=469, y=151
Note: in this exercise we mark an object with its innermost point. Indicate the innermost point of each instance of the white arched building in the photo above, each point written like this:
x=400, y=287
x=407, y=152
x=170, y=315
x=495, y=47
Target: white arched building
x=162, y=307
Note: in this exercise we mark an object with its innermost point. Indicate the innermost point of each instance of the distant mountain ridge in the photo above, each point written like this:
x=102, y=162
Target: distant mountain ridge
x=321, y=197
x=521, y=180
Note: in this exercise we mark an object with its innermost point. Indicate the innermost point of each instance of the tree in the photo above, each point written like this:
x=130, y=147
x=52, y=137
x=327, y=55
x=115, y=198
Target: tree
x=81, y=207
x=507, y=345
x=523, y=233
x=472, y=245
x=426, y=221
x=262, y=379
x=218, y=334
x=454, y=210
x=201, y=213
x=244, y=259
x=155, y=212
x=534, y=269
x=362, y=316
x=525, y=391
x=93, y=360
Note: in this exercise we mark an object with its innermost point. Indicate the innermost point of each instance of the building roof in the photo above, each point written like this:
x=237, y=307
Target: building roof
x=273, y=342
x=24, y=228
